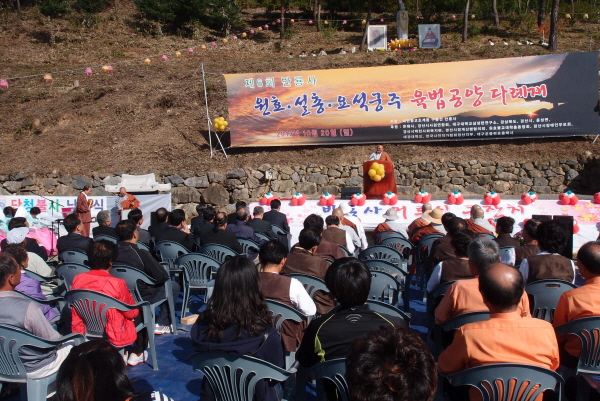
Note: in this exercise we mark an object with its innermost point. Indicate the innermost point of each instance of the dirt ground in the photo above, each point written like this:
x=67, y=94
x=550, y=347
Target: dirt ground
x=152, y=118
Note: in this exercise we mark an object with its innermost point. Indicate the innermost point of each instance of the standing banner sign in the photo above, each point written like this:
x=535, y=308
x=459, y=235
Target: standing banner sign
x=524, y=97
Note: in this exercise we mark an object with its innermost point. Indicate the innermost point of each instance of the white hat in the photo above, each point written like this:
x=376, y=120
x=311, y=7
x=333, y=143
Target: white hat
x=435, y=215
x=17, y=235
x=391, y=214
x=345, y=207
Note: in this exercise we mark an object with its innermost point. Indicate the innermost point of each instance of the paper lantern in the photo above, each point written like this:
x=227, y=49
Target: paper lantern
x=213, y=44
x=47, y=78
x=107, y=68
x=298, y=199
x=310, y=22
x=327, y=199
x=203, y=47
x=568, y=16
x=273, y=23
x=381, y=20
x=267, y=198
x=596, y=195
x=364, y=22
x=453, y=16
x=472, y=16
x=266, y=26
x=529, y=197
x=177, y=53
x=455, y=198
x=235, y=37
x=89, y=72
x=164, y=57
x=389, y=198
x=568, y=198
x=491, y=198
x=259, y=28
x=224, y=41
x=326, y=22
x=244, y=35
x=422, y=197
x=585, y=16
x=532, y=11
x=3, y=84
x=251, y=31
x=190, y=51
x=358, y=199
x=278, y=21
x=292, y=21
x=344, y=22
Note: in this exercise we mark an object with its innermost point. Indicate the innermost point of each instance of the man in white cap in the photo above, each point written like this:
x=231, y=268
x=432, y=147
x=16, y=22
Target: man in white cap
x=390, y=224
x=355, y=223
x=434, y=227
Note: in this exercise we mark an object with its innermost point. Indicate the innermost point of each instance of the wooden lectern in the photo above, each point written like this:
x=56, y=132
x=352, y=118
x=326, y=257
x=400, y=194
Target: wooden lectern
x=375, y=190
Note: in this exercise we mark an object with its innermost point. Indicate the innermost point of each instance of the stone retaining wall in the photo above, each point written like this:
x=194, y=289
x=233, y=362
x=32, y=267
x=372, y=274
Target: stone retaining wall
x=582, y=175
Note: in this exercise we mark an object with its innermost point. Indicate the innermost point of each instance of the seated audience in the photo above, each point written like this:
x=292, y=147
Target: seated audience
x=392, y=364
x=73, y=241
x=354, y=222
x=9, y=213
x=275, y=217
x=94, y=371
x=504, y=229
x=507, y=337
x=36, y=263
x=548, y=263
x=284, y=289
x=177, y=231
x=352, y=233
x=120, y=327
x=130, y=255
x=580, y=302
x=206, y=225
x=243, y=230
x=30, y=286
x=531, y=247
x=335, y=234
x=237, y=320
x=137, y=217
x=33, y=219
x=477, y=223
x=330, y=336
x=301, y=259
x=104, y=220
x=456, y=268
x=441, y=249
x=17, y=310
x=220, y=236
x=420, y=221
x=434, y=227
x=390, y=224
x=326, y=249
x=200, y=208
x=464, y=296
x=259, y=225
x=162, y=217
x=31, y=244
x=232, y=217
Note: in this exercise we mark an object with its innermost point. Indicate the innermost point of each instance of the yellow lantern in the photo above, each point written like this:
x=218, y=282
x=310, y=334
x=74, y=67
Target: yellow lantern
x=244, y=35
x=47, y=78
x=147, y=61
x=203, y=47
x=364, y=22
x=326, y=22
x=224, y=41
x=259, y=28
x=292, y=21
x=177, y=53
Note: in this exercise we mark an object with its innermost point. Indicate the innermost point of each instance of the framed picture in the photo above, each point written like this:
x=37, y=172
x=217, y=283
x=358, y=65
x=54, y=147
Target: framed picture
x=377, y=37
x=429, y=36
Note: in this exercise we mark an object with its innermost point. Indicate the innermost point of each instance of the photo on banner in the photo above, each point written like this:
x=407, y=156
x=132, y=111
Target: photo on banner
x=377, y=37
x=430, y=36
x=524, y=97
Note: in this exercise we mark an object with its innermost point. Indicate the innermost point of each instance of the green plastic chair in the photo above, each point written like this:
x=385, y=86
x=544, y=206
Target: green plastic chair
x=492, y=380
x=67, y=272
x=105, y=237
x=333, y=371
x=198, y=274
x=312, y=284
x=544, y=296
x=382, y=307
x=12, y=370
x=220, y=253
x=73, y=257
x=92, y=306
x=234, y=378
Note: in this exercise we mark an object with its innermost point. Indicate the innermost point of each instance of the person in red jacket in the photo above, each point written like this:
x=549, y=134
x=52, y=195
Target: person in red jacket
x=120, y=327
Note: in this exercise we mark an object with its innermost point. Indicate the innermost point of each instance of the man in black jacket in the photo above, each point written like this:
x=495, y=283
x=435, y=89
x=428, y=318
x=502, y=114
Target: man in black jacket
x=103, y=218
x=259, y=225
x=177, y=231
x=162, y=215
x=73, y=241
x=274, y=216
x=220, y=236
x=131, y=255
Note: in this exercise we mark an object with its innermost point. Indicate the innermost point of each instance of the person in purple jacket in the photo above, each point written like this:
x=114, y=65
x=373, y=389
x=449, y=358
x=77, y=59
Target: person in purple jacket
x=30, y=286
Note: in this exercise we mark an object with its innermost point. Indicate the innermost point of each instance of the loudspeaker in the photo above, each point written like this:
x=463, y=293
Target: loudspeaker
x=347, y=192
x=567, y=223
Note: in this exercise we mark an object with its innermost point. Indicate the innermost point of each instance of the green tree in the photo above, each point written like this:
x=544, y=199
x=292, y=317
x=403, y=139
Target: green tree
x=89, y=6
x=53, y=9
x=224, y=14
x=160, y=11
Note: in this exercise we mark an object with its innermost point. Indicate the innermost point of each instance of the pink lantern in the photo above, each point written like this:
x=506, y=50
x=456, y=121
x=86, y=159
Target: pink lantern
x=190, y=51
x=251, y=31
x=453, y=16
x=234, y=37
x=278, y=21
x=310, y=22
x=266, y=26
x=88, y=72
x=344, y=22
x=381, y=20
x=3, y=84
x=164, y=57
x=213, y=44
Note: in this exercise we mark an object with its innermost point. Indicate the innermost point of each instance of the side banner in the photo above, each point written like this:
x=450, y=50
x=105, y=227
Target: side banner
x=535, y=96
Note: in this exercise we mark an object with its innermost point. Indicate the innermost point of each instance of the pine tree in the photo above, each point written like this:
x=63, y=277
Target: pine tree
x=53, y=9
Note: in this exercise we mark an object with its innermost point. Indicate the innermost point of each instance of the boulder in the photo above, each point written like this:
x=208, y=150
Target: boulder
x=236, y=174
x=317, y=178
x=185, y=195
x=65, y=190
x=306, y=188
x=12, y=186
x=215, y=177
x=215, y=194
x=197, y=182
x=80, y=181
